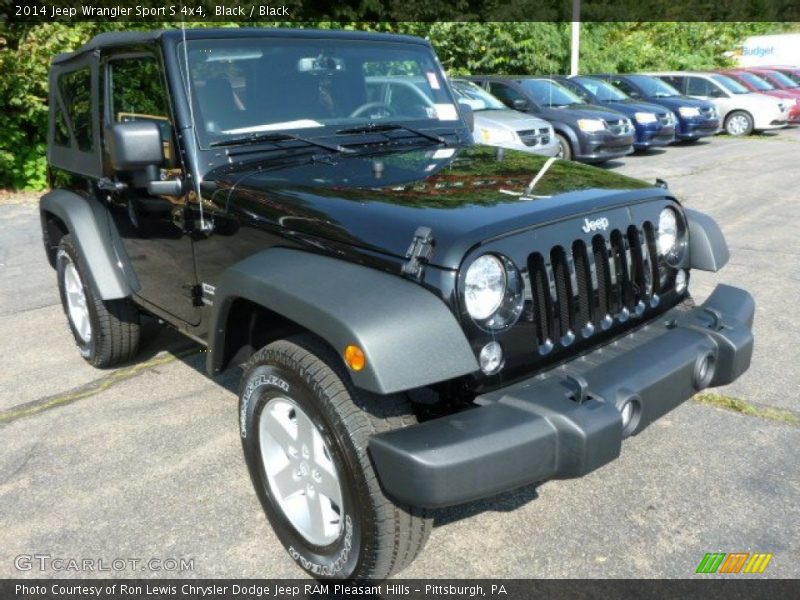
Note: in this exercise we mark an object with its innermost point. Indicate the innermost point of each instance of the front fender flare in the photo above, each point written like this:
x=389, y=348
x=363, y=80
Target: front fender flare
x=410, y=337
x=89, y=224
x=707, y=246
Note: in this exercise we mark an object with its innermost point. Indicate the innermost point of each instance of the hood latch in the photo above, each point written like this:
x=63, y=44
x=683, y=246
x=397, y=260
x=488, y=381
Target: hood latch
x=418, y=253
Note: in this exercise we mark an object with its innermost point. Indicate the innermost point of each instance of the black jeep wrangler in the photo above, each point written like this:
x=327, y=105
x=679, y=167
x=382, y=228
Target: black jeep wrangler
x=421, y=322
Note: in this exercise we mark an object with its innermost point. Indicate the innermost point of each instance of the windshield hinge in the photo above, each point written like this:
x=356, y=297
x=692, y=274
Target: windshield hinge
x=418, y=253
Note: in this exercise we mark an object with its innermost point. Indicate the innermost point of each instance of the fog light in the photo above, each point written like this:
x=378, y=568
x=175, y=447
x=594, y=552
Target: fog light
x=627, y=414
x=704, y=370
x=491, y=358
x=680, y=281
x=629, y=410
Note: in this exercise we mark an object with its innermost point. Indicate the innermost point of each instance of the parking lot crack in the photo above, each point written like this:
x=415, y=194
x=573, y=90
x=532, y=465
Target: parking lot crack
x=92, y=388
x=746, y=408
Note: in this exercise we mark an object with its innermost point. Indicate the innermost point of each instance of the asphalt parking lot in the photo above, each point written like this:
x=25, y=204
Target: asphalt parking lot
x=145, y=462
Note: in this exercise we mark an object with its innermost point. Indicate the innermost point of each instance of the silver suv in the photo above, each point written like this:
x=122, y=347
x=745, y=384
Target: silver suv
x=497, y=125
x=742, y=112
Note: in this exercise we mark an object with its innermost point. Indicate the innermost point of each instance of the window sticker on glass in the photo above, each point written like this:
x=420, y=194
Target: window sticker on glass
x=433, y=80
x=446, y=112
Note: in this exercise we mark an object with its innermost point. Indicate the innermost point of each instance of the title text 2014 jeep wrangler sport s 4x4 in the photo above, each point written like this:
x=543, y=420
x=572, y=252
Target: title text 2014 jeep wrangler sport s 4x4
x=422, y=322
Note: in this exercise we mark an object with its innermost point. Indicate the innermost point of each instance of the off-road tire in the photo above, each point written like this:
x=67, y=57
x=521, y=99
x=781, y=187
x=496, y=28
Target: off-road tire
x=115, y=328
x=378, y=537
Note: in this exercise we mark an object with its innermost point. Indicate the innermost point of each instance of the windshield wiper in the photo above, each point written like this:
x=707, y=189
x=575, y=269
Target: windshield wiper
x=278, y=137
x=379, y=127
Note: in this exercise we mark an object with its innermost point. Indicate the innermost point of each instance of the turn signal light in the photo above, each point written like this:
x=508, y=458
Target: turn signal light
x=355, y=358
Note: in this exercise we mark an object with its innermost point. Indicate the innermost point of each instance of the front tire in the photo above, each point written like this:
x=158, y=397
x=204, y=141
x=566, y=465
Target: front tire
x=739, y=123
x=305, y=431
x=565, y=150
x=105, y=331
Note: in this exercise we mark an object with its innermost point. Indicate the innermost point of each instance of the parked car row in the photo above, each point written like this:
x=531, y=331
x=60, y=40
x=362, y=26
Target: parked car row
x=596, y=118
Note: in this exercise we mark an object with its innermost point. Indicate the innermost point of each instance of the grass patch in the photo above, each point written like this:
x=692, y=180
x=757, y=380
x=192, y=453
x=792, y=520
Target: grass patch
x=745, y=408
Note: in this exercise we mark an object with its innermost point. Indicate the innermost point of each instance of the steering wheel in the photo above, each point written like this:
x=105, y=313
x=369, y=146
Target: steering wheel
x=390, y=112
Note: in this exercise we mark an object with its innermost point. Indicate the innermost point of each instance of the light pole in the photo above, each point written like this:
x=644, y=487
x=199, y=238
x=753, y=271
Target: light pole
x=576, y=37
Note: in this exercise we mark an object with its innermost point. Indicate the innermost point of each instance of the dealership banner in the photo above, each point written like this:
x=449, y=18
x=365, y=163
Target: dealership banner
x=397, y=589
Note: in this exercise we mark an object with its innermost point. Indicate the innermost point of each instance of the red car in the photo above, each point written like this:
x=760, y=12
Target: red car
x=779, y=79
x=792, y=73
x=757, y=83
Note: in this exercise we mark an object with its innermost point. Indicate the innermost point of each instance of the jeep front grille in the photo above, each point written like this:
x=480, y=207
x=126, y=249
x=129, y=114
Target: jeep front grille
x=583, y=288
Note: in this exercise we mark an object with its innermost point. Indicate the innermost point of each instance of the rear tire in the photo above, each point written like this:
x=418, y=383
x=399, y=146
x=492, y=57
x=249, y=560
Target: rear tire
x=105, y=331
x=739, y=123
x=566, y=148
x=362, y=534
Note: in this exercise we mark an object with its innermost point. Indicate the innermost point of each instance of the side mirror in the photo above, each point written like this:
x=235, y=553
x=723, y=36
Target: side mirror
x=135, y=146
x=467, y=114
x=520, y=104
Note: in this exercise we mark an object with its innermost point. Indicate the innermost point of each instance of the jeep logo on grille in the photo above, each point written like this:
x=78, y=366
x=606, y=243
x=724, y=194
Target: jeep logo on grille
x=601, y=223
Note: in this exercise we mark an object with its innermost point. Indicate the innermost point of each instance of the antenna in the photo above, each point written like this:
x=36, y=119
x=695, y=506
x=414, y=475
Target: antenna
x=205, y=227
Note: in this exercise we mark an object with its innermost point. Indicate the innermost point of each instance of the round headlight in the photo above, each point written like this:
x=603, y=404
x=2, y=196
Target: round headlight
x=484, y=287
x=670, y=239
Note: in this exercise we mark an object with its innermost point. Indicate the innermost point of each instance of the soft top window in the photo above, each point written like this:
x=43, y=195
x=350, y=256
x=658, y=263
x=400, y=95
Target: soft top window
x=75, y=90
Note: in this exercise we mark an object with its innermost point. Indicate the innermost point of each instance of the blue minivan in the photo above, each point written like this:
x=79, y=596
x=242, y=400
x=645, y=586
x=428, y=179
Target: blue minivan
x=696, y=118
x=655, y=126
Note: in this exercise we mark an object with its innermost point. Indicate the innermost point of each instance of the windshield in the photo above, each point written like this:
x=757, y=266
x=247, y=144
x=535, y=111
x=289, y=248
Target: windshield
x=734, y=87
x=782, y=79
x=478, y=98
x=605, y=92
x=247, y=86
x=653, y=86
x=549, y=93
x=757, y=82
x=793, y=75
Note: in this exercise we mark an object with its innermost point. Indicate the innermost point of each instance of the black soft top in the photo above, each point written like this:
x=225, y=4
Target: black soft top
x=129, y=38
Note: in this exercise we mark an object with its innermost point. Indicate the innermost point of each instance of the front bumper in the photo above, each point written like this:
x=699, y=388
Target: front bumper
x=604, y=145
x=652, y=136
x=551, y=148
x=694, y=128
x=566, y=422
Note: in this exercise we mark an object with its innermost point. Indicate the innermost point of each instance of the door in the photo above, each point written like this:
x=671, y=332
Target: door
x=704, y=89
x=151, y=226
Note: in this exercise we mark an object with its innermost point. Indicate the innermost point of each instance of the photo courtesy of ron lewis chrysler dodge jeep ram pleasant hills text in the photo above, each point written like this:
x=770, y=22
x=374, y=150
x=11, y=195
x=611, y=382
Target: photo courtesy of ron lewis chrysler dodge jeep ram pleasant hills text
x=421, y=321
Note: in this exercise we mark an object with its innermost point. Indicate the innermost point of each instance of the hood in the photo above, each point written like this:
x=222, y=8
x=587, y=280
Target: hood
x=584, y=111
x=376, y=202
x=629, y=107
x=508, y=119
x=675, y=102
x=760, y=100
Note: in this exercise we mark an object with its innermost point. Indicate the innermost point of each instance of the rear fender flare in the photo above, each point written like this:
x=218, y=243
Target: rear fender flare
x=90, y=225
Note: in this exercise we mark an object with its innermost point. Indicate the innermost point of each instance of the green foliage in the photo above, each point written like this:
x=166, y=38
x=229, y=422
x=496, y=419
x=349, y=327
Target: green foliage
x=512, y=47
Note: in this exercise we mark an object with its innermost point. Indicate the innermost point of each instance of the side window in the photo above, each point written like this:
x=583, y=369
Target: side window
x=138, y=94
x=626, y=88
x=699, y=87
x=61, y=136
x=579, y=91
x=679, y=83
x=505, y=93
x=75, y=89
